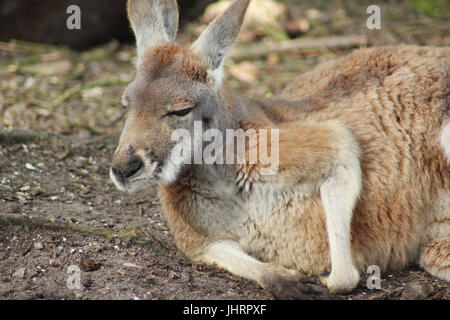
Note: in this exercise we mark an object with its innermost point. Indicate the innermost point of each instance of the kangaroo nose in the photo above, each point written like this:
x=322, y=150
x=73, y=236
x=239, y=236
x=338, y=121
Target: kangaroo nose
x=128, y=169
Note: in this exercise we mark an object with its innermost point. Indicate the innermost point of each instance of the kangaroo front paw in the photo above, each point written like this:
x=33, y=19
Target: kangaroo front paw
x=289, y=285
x=300, y=289
x=341, y=282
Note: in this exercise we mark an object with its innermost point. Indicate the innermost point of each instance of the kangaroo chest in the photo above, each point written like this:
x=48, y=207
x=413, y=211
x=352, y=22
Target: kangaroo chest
x=270, y=222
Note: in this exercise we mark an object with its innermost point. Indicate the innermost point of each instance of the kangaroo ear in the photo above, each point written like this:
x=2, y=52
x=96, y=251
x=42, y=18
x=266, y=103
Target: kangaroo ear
x=154, y=22
x=217, y=38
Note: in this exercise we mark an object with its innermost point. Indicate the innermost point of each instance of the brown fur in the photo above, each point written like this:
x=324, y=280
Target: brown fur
x=401, y=122
x=391, y=215
x=175, y=59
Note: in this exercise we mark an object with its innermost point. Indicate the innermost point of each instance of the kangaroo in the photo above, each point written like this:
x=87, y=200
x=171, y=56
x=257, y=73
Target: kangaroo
x=363, y=174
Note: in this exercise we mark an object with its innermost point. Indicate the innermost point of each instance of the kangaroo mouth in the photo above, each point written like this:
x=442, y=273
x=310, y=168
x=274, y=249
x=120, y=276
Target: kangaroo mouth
x=140, y=181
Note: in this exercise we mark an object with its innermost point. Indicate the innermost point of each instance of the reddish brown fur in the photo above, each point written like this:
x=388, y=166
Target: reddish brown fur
x=175, y=59
x=374, y=236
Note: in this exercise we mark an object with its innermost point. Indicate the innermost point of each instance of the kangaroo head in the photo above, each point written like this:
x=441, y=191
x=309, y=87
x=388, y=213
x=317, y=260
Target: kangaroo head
x=174, y=87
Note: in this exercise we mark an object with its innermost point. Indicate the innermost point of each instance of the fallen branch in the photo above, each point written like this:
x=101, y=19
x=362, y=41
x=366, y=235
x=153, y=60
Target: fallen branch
x=262, y=49
x=117, y=118
x=64, y=96
x=51, y=224
x=105, y=138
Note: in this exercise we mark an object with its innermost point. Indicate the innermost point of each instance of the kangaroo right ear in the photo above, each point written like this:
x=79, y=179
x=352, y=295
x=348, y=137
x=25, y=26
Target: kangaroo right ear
x=218, y=37
x=154, y=22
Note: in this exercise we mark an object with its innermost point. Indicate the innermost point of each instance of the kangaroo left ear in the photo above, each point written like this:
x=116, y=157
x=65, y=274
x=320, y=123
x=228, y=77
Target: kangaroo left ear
x=154, y=22
x=218, y=37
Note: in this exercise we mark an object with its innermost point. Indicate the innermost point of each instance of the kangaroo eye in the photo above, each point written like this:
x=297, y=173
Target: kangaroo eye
x=180, y=113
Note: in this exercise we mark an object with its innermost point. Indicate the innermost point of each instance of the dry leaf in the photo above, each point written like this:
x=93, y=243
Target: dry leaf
x=244, y=71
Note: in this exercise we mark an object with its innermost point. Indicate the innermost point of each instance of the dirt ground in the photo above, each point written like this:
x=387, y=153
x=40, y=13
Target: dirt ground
x=58, y=207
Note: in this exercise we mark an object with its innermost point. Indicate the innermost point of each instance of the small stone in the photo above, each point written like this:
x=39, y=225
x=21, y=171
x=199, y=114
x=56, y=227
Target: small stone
x=29, y=166
x=38, y=245
x=89, y=264
x=25, y=188
x=37, y=191
x=52, y=262
x=131, y=265
x=19, y=274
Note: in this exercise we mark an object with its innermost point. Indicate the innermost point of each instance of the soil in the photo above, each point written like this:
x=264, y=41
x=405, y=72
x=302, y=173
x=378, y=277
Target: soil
x=59, y=209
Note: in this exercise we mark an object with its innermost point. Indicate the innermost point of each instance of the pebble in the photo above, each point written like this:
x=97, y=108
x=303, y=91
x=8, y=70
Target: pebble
x=52, y=262
x=131, y=265
x=29, y=166
x=19, y=274
x=38, y=245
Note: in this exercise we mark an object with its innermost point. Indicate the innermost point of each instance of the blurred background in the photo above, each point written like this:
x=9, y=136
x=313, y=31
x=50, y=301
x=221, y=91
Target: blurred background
x=103, y=20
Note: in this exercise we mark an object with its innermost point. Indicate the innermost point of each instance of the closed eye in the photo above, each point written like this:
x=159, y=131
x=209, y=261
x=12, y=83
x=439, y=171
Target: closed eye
x=180, y=113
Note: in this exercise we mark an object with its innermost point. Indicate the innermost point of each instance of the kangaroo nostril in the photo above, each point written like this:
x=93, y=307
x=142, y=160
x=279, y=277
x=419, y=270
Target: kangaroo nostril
x=133, y=166
x=128, y=169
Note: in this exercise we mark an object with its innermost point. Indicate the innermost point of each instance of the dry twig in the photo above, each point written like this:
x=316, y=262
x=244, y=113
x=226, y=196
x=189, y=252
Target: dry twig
x=262, y=49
